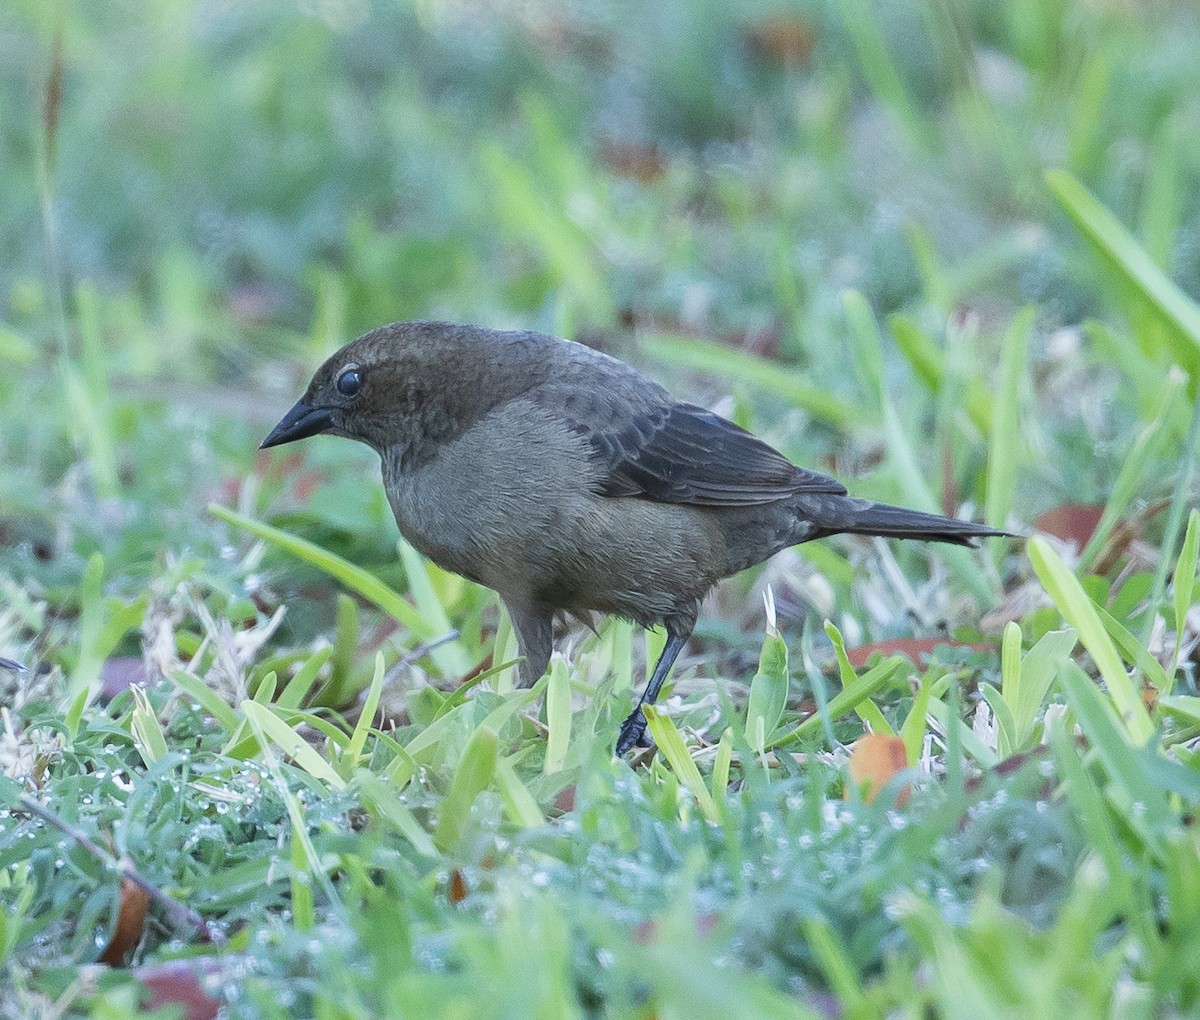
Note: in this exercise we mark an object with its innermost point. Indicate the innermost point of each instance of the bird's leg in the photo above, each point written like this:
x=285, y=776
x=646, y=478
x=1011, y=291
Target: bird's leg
x=534, y=627
x=633, y=729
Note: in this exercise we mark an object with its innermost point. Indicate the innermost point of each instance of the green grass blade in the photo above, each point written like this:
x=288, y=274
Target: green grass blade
x=867, y=710
x=877, y=66
x=381, y=799
x=865, y=343
x=207, y=698
x=1004, y=444
x=1134, y=651
x=1038, y=670
x=471, y=778
x=1077, y=609
x=1010, y=672
x=769, y=688
x=451, y=657
x=1131, y=480
x=303, y=911
x=1113, y=241
x=671, y=744
x=1093, y=814
x=291, y=743
x=1179, y=498
x=836, y=965
x=1006, y=725
x=264, y=692
x=558, y=716
x=1184, y=583
x=912, y=730
x=927, y=362
x=520, y=804
x=148, y=736
x=1152, y=816
x=366, y=717
x=719, y=780
x=296, y=689
x=355, y=578
x=849, y=698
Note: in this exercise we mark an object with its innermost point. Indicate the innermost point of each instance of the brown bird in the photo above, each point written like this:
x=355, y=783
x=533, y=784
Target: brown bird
x=570, y=482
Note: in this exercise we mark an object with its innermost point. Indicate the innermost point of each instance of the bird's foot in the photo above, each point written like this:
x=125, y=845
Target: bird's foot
x=633, y=733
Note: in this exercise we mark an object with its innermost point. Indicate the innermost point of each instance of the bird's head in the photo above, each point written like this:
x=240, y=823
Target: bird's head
x=408, y=383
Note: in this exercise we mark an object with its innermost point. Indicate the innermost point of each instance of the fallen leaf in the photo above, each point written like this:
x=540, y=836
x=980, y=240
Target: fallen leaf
x=915, y=649
x=458, y=886
x=782, y=39
x=1072, y=522
x=131, y=922
x=876, y=758
x=120, y=673
x=178, y=984
x=640, y=162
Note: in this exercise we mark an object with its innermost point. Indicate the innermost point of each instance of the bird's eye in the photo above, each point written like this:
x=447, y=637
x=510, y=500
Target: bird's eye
x=349, y=382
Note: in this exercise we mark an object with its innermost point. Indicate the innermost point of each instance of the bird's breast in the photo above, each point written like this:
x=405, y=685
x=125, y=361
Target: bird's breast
x=489, y=504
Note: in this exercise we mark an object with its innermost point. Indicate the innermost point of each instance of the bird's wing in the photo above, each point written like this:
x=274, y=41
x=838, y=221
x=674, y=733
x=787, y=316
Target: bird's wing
x=650, y=446
x=680, y=453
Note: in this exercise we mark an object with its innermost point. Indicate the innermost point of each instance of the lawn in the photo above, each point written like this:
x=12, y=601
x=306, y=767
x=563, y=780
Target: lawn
x=266, y=759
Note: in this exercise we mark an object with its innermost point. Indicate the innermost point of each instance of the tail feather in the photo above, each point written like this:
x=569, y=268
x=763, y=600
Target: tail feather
x=862, y=517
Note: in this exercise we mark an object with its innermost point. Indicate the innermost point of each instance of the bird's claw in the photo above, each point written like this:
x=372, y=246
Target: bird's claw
x=633, y=733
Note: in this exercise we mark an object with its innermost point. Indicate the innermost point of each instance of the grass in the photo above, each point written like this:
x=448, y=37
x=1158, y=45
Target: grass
x=950, y=256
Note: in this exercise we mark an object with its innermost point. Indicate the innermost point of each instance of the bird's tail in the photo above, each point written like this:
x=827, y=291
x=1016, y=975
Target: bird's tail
x=841, y=515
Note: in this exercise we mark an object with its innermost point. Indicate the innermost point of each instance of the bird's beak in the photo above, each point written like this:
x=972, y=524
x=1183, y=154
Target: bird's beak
x=300, y=422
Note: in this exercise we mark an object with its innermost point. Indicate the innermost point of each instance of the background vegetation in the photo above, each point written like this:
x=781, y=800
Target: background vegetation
x=949, y=252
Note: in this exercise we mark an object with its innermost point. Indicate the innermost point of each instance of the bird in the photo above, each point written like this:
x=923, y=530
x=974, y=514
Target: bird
x=573, y=484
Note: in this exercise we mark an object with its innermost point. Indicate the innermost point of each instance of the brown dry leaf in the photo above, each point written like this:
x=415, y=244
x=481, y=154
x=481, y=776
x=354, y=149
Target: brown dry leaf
x=458, y=887
x=120, y=673
x=915, y=649
x=131, y=922
x=1072, y=522
x=634, y=160
x=876, y=758
x=564, y=800
x=178, y=983
x=781, y=39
